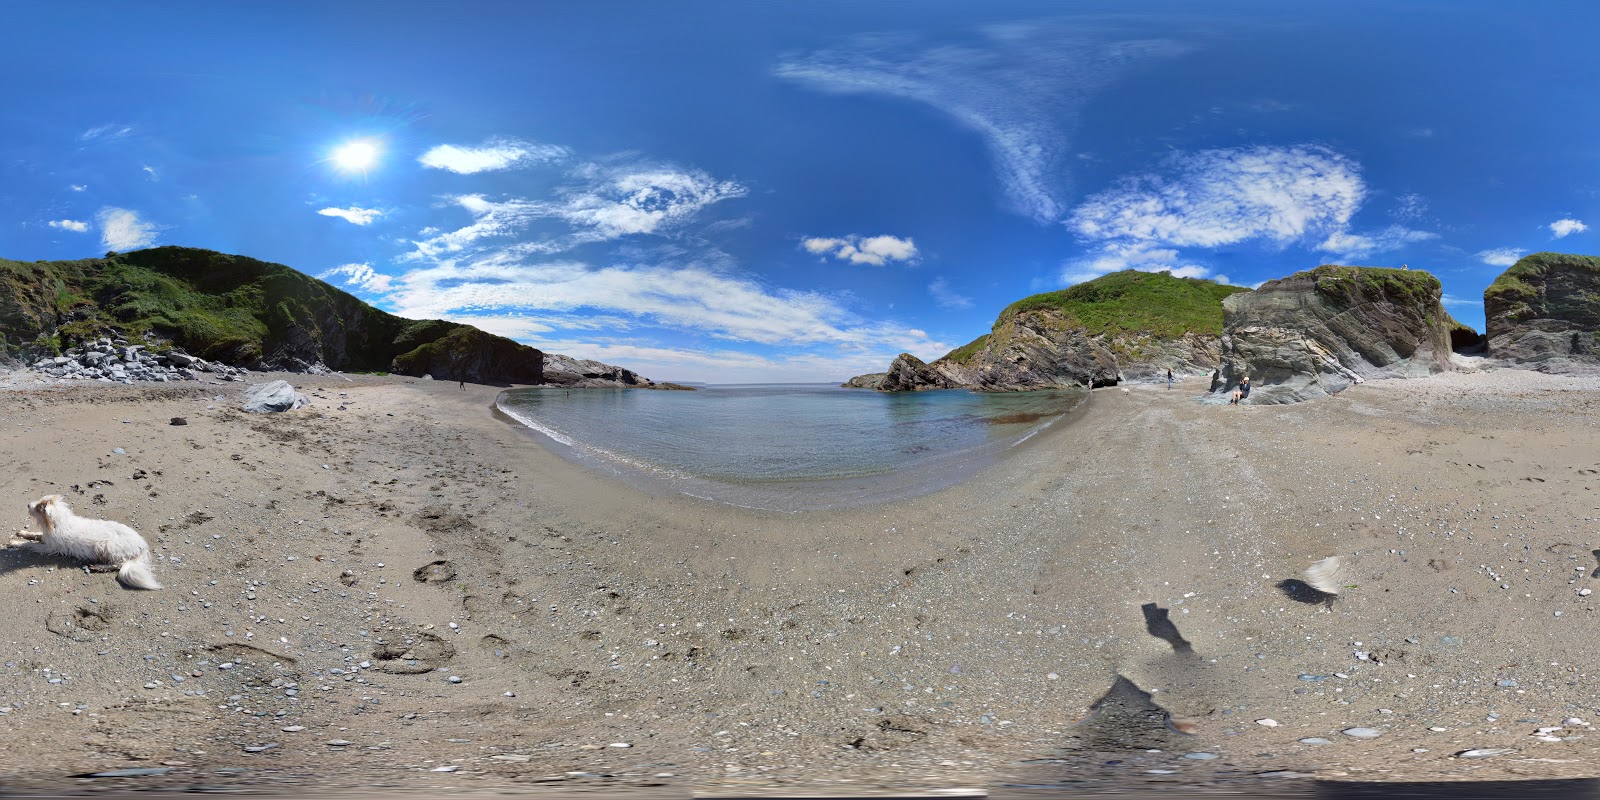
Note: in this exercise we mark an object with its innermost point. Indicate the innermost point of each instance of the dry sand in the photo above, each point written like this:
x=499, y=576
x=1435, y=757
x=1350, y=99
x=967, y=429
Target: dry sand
x=349, y=558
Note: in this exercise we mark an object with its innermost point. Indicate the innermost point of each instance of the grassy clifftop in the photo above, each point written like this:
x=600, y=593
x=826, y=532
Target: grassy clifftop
x=241, y=311
x=1136, y=302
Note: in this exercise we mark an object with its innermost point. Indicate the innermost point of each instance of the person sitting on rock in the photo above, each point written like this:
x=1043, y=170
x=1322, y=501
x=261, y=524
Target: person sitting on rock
x=1243, y=392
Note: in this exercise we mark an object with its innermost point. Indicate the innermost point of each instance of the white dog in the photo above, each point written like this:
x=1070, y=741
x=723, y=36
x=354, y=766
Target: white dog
x=97, y=541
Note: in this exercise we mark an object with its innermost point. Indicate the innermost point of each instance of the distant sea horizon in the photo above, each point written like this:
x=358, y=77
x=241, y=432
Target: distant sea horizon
x=785, y=446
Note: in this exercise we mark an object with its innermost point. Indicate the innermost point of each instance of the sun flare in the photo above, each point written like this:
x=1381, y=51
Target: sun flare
x=356, y=156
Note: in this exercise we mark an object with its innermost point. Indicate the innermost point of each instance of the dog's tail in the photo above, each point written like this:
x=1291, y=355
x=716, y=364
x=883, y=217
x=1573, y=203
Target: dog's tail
x=136, y=574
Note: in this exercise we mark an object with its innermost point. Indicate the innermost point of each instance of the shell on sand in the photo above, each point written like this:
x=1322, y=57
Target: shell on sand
x=1324, y=575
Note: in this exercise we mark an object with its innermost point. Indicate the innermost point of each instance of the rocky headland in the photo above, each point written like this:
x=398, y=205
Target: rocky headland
x=1318, y=332
x=1544, y=313
x=172, y=313
x=1124, y=326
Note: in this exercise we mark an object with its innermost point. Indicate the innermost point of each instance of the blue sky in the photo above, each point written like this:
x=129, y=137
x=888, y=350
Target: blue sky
x=744, y=191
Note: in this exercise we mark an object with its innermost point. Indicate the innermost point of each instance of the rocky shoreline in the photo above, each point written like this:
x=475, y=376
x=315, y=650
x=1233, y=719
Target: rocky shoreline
x=118, y=361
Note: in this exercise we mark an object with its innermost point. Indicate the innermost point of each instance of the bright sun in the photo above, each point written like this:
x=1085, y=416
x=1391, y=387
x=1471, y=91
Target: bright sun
x=356, y=156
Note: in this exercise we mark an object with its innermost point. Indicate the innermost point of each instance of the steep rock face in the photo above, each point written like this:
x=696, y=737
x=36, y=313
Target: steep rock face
x=1124, y=326
x=581, y=373
x=909, y=374
x=245, y=312
x=1318, y=332
x=1544, y=312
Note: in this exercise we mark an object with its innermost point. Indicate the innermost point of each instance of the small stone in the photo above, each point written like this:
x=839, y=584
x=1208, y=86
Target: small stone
x=141, y=772
x=1486, y=752
x=260, y=748
x=1315, y=740
x=1269, y=723
x=454, y=679
x=152, y=685
x=511, y=694
x=293, y=729
x=338, y=743
x=1362, y=733
x=179, y=421
x=1437, y=729
x=1200, y=756
x=1506, y=684
x=119, y=451
x=620, y=744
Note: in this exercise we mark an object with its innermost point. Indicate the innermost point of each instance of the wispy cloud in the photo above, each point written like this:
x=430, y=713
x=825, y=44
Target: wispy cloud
x=1409, y=207
x=122, y=229
x=1500, y=256
x=1356, y=245
x=874, y=250
x=602, y=203
x=353, y=214
x=947, y=297
x=495, y=154
x=1562, y=228
x=1049, y=71
x=360, y=276
x=105, y=133
x=77, y=187
x=1458, y=301
x=150, y=173
x=70, y=225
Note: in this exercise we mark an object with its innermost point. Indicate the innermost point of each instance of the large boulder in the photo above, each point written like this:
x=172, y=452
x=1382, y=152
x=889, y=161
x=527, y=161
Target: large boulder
x=1544, y=312
x=869, y=381
x=1318, y=332
x=263, y=398
x=581, y=373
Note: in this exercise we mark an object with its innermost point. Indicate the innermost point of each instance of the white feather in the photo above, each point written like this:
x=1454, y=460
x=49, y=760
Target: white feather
x=1324, y=575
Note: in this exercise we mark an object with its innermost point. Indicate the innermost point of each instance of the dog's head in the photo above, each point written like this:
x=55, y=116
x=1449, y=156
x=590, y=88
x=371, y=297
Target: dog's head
x=47, y=509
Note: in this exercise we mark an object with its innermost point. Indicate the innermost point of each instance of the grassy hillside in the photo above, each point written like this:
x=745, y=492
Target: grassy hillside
x=1135, y=302
x=1517, y=288
x=238, y=310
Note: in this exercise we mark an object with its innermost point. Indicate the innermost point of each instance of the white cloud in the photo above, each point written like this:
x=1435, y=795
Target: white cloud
x=1394, y=237
x=360, y=276
x=690, y=298
x=1457, y=301
x=618, y=202
x=1214, y=198
x=77, y=187
x=1500, y=257
x=1049, y=71
x=122, y=229
x=494, y=154
x=1566, y=227
x=150, y=172
x=605, y=203
x=947, y=297
x=70, y=225
x=874, y=250
x=1142, y=256
x=353, y=214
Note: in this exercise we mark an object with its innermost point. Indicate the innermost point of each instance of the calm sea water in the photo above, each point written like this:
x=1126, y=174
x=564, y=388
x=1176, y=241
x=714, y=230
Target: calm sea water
x=787, y=447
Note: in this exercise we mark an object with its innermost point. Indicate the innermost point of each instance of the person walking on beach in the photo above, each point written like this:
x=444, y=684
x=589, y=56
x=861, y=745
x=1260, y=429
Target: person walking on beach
x=463, y=384
x=1169, y=380
x=1243, y=392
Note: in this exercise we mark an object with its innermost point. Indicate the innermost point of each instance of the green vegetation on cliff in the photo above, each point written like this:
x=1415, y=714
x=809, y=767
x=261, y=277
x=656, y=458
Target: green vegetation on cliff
x=965, y=353
x=1414, y=287
x=1516, y=294
x=240, y=311
x=1155, y=303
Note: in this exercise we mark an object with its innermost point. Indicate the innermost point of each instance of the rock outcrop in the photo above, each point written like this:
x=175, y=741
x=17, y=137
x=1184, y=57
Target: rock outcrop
x=871, y=380
x=1124, y=326
x=1544, y=313
x=249, y=314
x=1318, y=332
x=582, y=373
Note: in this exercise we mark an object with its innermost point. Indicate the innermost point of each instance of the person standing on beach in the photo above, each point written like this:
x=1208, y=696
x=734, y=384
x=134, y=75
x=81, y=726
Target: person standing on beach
x=1169, y=380
x=463, y=384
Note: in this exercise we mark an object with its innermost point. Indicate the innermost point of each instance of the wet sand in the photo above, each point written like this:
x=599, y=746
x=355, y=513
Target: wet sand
x=952, y=640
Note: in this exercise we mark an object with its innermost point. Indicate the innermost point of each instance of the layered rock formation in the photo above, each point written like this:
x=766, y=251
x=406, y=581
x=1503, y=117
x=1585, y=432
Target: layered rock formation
x=1128, y=325
x=1544, y=312
x=238, y=311
x=1318, y=332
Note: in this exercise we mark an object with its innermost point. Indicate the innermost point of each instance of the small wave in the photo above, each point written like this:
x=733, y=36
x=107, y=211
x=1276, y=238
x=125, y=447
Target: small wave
x=597, y=453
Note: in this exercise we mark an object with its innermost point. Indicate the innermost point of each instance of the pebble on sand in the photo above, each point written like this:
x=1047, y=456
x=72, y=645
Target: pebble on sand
x=1363, y=733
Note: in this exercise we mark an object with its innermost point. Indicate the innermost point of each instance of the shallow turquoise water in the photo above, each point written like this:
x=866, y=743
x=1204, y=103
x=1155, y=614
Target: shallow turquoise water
x=786, y=447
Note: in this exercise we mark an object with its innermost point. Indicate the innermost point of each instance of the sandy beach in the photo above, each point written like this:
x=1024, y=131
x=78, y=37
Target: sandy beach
x=398, y=587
